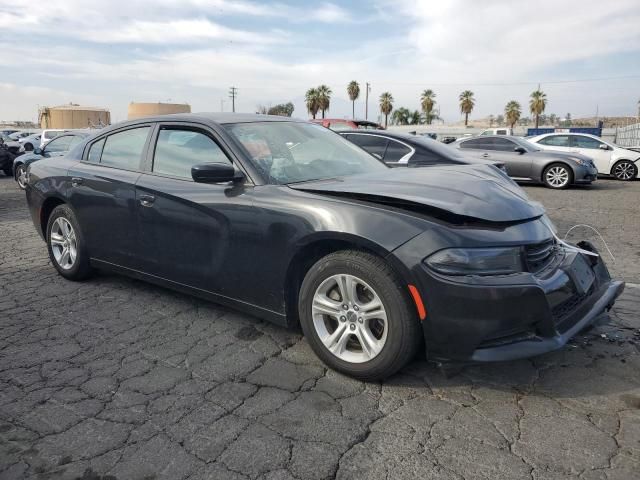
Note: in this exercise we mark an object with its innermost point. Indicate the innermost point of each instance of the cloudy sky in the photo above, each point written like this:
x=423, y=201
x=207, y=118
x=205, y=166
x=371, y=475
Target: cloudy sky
x=585, y=53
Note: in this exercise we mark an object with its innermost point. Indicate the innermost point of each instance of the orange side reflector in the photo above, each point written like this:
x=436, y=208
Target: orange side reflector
x=422, y=313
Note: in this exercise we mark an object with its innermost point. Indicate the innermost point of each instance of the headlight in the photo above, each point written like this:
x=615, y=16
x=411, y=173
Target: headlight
x=476, y=261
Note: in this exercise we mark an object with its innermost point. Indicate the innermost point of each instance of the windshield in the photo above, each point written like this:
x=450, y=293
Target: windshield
x=292, y=152
x=530, y=146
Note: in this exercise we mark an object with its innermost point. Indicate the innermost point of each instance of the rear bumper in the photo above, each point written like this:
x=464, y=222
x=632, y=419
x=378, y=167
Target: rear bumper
x=483, y=319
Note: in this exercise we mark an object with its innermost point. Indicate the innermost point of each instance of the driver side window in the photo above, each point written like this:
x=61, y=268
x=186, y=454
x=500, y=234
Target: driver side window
x=177, y=150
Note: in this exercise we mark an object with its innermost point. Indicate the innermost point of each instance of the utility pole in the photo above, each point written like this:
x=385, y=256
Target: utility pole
x=233, y=91
x=366, y=102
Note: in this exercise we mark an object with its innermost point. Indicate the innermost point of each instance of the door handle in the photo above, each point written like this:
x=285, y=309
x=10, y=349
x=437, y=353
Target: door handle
x=147, y=200
x=75, y=181
x=485, y=155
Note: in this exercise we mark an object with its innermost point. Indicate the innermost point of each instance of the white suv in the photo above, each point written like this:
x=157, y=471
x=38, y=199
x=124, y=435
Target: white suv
x=609, y=158
x=49, y=134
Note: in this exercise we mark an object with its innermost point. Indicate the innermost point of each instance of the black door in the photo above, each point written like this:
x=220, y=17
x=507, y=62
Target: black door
x=102, y=193
x=185, y=231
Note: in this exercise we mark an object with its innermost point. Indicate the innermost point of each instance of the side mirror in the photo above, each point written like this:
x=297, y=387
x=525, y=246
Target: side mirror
x=38, y=151
x=520, y=150
x=603, y=146
x=215, y=173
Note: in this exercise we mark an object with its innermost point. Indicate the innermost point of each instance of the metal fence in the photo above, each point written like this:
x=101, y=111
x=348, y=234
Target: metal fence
x=628, y=136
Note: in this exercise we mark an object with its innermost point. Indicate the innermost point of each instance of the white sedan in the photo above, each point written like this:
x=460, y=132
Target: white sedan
x=609, y=158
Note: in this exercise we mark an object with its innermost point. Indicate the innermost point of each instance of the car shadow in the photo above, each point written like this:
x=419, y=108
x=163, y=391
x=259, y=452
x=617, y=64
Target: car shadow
x=602, y=362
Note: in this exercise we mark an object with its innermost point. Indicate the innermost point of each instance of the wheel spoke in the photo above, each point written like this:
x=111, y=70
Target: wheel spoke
x=57, y=239
x=64, y=258
x=337, y=341
x=325, y=306
x=369, y=343
x=347, y=287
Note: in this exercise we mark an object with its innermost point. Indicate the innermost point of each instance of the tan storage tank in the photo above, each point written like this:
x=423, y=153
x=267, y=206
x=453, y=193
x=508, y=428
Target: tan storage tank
x=73, y=116
x=138, y=110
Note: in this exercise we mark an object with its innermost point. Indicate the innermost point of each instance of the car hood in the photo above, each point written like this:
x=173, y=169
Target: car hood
x=27, y=158
x=456, y=193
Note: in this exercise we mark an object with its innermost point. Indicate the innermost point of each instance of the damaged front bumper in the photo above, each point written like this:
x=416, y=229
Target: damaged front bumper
x=489, y=319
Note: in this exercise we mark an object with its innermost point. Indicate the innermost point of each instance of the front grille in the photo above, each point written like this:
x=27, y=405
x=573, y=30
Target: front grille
x=540, y=255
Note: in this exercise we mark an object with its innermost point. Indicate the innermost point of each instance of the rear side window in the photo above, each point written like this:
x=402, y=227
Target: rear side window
x=95, y=151
x=179, y=150
x=480, y=143
x=579, y=141
x=502, y=144
x=555, y=141
x=124, y=149
x=371, y=143
x=395, y=151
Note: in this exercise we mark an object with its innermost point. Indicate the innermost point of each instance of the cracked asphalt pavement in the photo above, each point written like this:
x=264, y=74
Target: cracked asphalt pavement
x=117, y=379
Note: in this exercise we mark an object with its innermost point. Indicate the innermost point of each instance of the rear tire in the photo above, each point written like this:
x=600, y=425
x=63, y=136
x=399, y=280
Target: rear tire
x=20, y=176
x=66, y=245
x=28, y=147
x=378, y=332
x=624, y=170
x=557, y=176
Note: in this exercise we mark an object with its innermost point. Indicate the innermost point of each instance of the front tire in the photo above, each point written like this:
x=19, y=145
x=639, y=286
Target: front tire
x=357, y=315
x=557, y=176
x=66, y=245
x=625, y=170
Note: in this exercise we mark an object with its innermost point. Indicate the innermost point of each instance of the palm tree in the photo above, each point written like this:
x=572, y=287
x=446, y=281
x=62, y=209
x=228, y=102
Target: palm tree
x=311, y=100
x=467, y=102
x=324, y=98
x=415, y=118
x=353, y=89
x=427, y=101
x=537, y=104
x=512, y=111
x=401, y=116
x=386, y=105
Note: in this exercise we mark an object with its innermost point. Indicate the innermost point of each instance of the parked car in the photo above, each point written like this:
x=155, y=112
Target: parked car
x=49, y=134
x=6, y=159
x=15, y=136
x=338, y=124
x=403, y=150
x=526, y=162
x=30, y=143
x=290, y=222
x=57, y=147
x=8, y=131
x=497, y=131
x=609, y=158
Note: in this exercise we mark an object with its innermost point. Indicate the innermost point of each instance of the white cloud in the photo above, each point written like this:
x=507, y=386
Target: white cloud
x=191, y=51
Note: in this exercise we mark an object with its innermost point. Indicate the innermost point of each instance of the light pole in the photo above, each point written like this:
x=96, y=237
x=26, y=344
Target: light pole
x=366, y=102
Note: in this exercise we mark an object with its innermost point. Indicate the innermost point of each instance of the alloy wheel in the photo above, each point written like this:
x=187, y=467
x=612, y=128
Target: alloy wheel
x=21, y=176
x=624, y=171
x=350, y=318
x=557, y=176
x=63, y=243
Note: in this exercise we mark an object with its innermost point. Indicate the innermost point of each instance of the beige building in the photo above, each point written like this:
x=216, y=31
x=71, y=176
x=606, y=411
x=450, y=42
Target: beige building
x=73, y=116
x=138, y=110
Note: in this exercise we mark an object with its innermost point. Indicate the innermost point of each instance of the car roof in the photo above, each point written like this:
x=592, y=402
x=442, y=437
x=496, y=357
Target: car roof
x=221, y=118
x=382, y=133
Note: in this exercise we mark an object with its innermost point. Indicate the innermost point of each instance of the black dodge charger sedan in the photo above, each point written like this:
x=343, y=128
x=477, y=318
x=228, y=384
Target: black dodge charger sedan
x=290, y=222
